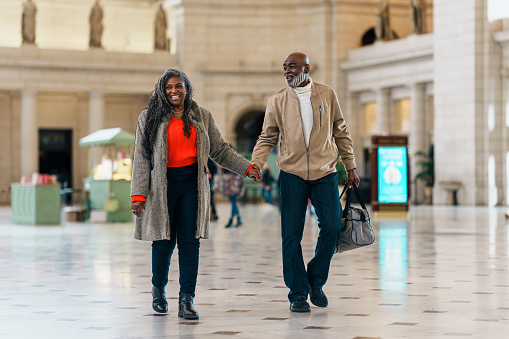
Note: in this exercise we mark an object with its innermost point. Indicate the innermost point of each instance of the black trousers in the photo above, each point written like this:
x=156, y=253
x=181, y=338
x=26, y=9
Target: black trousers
x=182, y=209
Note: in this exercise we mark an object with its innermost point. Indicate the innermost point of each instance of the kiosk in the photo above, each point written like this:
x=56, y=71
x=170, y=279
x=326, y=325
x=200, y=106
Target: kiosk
x=389, y=173
x=34, y=204
x=108, y=187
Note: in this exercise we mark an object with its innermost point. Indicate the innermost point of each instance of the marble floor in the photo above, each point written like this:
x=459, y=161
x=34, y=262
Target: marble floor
x=439, y=272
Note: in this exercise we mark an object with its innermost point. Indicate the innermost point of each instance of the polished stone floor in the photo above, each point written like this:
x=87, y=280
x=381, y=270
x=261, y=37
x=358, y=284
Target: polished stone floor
x=440, y=272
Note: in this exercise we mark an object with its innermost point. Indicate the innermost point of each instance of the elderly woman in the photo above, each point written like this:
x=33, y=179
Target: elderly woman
x=170, y=190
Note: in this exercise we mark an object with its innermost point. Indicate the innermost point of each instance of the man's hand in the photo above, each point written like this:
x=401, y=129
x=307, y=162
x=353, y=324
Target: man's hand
x=137, y=207
x=352, y=178
x=255, y=174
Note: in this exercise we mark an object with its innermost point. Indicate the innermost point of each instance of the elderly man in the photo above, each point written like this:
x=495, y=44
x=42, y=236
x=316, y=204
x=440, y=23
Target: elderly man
x=306, y=120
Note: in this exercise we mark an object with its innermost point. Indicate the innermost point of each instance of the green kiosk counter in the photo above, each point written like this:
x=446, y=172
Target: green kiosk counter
x=35, y=204
x=98, y=191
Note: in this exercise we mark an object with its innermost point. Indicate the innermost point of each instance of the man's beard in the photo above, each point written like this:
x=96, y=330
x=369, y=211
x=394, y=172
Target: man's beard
x=299, y=79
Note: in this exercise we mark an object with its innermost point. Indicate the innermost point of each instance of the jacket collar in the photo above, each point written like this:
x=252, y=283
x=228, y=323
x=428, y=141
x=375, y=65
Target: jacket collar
x=194, y=112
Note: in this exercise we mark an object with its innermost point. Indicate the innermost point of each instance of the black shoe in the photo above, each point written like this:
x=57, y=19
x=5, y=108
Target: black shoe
x=239, y=222
x=230, y=223
x=213, y=217
x=159, y=304
x=300, y=305
x=186, y=307
x=317, y=297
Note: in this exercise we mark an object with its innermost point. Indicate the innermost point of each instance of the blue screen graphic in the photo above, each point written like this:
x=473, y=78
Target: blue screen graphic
x=392, y=174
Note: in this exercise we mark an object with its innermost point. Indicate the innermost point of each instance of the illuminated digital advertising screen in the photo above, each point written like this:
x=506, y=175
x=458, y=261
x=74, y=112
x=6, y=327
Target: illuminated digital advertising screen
x=392, y=174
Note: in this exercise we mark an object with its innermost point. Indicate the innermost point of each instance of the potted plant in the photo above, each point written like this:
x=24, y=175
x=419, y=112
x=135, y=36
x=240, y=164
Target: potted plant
x=341, y=172
x=427, y=172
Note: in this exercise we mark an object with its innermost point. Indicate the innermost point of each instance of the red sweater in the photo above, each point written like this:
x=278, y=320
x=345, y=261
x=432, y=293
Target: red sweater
x=181, y=150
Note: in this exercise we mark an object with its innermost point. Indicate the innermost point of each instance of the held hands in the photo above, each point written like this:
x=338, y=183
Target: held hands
x=137, y=207
x=352, y=178
x=255, y=174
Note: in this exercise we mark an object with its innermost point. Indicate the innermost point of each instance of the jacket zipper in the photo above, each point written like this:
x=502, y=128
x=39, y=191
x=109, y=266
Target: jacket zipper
x=307, y=151
x=320, y=115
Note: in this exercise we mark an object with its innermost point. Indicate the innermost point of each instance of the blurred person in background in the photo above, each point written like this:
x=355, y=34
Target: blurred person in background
x=170, y=190
x=233, y=187
x=267, y=180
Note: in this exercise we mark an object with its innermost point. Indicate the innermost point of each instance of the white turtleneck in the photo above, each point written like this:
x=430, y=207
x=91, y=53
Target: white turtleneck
x=306, y=110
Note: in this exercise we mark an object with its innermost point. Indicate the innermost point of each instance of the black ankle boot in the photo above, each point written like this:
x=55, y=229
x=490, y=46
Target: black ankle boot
x=186, y=306
x=230, y=223
x=159, y=304
x=239, y=221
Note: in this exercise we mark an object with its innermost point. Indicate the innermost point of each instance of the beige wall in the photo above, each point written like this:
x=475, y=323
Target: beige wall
x=60, y=24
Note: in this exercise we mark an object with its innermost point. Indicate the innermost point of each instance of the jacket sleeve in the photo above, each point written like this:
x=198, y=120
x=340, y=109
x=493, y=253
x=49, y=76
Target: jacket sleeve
x=341, y=134
x=140, y=182
x=222, y=153
x=268, y=138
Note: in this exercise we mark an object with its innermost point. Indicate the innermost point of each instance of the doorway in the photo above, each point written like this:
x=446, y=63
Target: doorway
x=55, y=154
x=248, y=130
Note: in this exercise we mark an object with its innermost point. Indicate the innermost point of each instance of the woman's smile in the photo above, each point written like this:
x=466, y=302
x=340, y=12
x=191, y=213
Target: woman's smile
x=175, y=93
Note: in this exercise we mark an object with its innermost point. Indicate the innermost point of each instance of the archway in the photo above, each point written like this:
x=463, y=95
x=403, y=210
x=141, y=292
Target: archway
x=248, y=129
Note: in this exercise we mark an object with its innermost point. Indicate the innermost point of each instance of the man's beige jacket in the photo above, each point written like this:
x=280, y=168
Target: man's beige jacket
x=329, y=136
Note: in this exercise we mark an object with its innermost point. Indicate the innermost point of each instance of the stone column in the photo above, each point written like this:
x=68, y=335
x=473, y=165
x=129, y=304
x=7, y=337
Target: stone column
x=505, y=135
x=460, y=118
x=95, y=122
x=417, y=137
x=382, y=110
x=355, y=120
x=29, y=133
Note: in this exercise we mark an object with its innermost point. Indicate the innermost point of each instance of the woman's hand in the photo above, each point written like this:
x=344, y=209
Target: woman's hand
x=137, y=207
x=254, y=173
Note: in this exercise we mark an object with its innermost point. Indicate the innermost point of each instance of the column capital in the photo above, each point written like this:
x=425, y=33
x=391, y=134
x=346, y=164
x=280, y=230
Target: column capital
x=29, y=91
x=96, y=94
x=417, y=84
x=381, y=89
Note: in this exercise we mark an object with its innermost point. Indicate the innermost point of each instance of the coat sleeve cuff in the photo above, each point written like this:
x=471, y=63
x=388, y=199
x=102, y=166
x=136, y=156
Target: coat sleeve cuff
x=245, y=174
x=350, y=165
x=137, y=198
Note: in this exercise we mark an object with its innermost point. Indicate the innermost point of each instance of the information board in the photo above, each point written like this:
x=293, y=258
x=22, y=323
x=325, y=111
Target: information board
x=392, y=174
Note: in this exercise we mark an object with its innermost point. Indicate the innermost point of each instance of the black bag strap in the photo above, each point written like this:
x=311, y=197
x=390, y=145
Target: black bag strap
x=357, y=194
x=342, y=192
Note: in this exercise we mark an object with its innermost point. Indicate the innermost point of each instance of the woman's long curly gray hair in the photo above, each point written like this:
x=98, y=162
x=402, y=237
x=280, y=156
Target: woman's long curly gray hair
x=158, y=107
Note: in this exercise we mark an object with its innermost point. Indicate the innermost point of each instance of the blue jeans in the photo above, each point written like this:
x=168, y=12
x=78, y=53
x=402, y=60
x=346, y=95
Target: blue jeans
x=267, y=195
x=324, y=195
x=235, y=208
x=182, y=208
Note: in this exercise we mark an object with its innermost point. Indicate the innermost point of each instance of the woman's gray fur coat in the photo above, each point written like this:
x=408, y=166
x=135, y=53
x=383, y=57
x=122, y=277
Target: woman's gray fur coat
x=150, y=181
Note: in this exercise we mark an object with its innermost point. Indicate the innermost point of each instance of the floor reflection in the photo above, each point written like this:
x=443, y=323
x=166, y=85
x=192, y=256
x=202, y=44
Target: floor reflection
x=438, y=272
